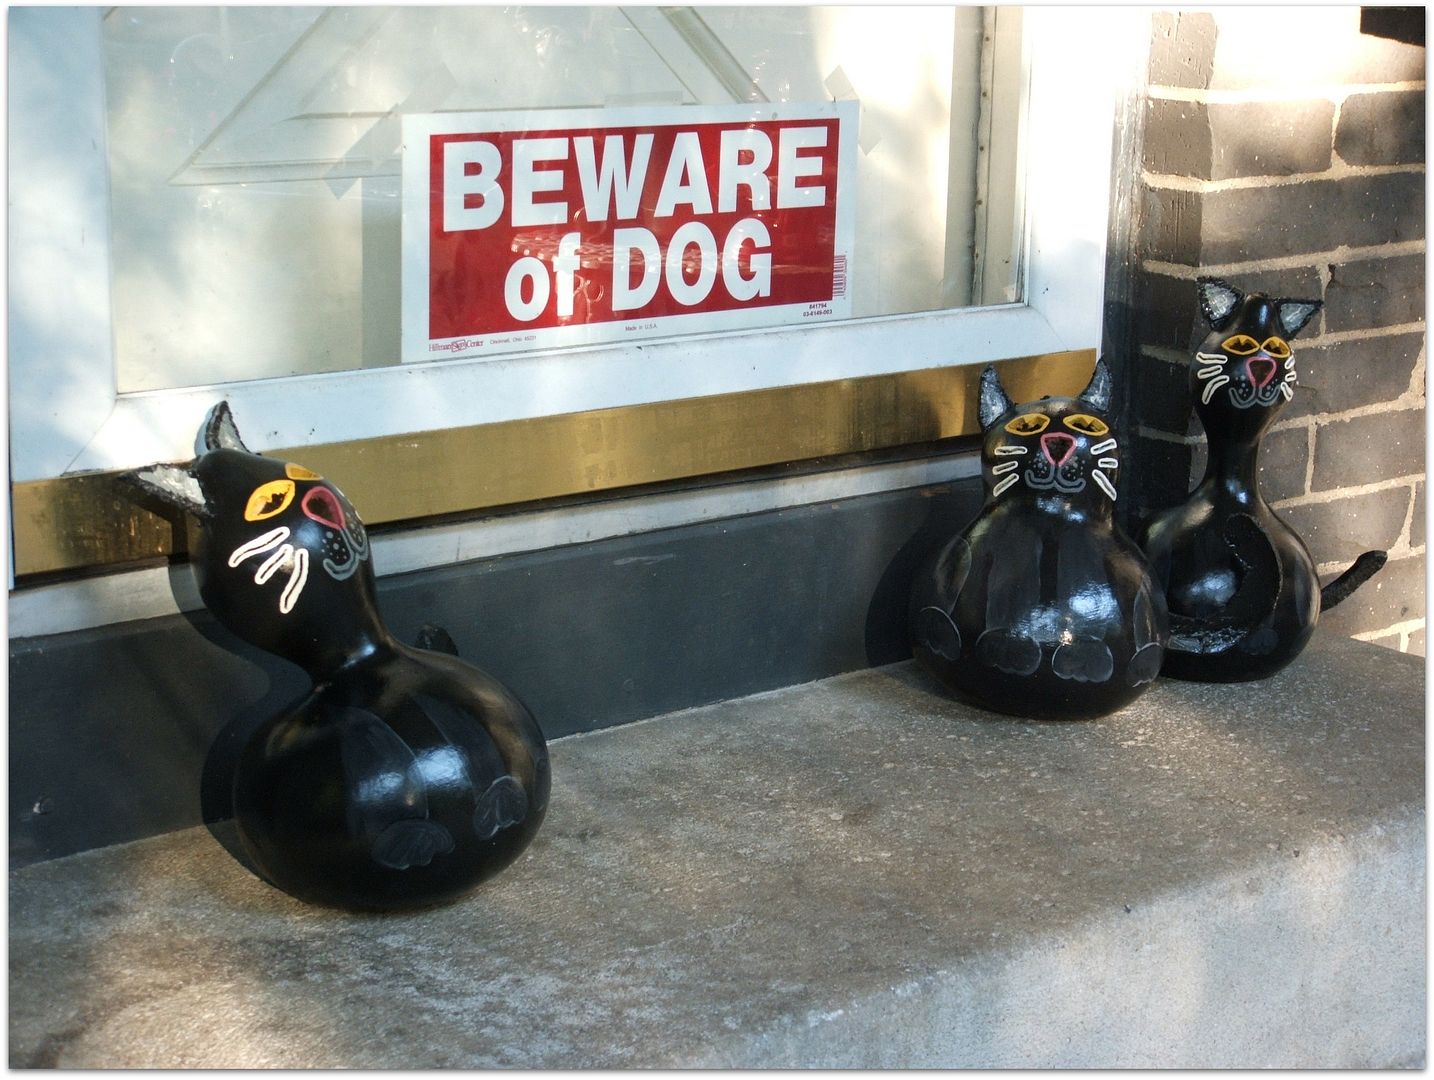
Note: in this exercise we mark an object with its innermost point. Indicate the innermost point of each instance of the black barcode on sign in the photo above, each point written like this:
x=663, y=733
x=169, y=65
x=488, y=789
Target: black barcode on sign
x=839, y=276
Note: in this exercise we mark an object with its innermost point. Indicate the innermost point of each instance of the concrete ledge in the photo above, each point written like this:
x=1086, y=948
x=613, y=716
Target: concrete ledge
x=855, y=872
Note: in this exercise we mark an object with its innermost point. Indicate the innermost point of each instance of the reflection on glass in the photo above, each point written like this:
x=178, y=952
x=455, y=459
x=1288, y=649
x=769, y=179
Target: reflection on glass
x=255, y=152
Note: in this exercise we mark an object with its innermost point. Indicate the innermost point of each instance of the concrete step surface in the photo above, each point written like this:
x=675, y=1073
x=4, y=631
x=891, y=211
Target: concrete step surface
x=858, y=872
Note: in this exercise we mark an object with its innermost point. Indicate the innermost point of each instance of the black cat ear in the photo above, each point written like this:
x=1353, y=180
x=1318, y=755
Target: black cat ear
x=1218, y=301
x=1294, y=314
x=1097, y=393
x=219, y=432
x=172, y=484
x=994, y=401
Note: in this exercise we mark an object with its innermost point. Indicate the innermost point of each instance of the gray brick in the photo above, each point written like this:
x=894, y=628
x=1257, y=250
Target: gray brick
x=1284, y=462
x=1342, y=530
x=1385, y=128
x=1382, y=446
x=1274, y=138
x=1375, y=292
x=1178, y=140
x=1394, y=595
x=1168, y=312
x=1161, y=396
x=1170, y=225
x=1348, y=375
x=1182, y=49
x=1295, y=219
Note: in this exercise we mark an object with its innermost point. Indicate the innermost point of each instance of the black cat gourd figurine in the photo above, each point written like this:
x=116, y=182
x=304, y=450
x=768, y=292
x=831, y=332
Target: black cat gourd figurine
x=1240, y=585
x=404, y=777
x=1042, y=607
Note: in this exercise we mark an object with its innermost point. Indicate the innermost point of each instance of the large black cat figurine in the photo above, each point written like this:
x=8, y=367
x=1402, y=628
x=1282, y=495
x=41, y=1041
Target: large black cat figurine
x=1239, y=583
x=1042, y=607
x=405, y=776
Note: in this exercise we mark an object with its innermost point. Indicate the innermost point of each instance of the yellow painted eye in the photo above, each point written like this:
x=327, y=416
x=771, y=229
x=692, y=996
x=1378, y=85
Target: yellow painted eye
x=1086, y=425
x=1240, y=345
x=1030, y=424
x=269, y=499
x=1277, y=348
x=298, y=472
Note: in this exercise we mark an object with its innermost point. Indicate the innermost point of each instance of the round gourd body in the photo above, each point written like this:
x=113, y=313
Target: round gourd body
x=402, y=782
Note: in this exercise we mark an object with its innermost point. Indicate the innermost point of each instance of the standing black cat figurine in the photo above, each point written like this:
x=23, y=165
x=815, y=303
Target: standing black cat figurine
x=1239, y=583
x=1042, y=608
x=405, y=777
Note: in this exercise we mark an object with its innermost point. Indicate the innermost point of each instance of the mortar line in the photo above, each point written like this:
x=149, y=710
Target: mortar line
x=1367, y=333
x=1334, y=154
x=1335, y=92
x=1319, y=498
x=1406, y=531
x=1416, y=377
x=1404, y=403
x=1338, y=566
x=1394, y=552
x=1337, y=171
x=1341, y=254
x=1318, y=341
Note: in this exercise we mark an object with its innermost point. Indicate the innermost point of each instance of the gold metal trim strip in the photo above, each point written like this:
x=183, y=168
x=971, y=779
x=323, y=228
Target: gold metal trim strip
x=88, y=520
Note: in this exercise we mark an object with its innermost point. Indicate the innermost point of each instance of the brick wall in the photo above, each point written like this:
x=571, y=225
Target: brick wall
x=1283, y=150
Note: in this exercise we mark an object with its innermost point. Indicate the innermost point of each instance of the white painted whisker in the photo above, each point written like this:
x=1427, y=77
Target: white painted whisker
x=258, y=544
x=297, y=580
x=284, y=556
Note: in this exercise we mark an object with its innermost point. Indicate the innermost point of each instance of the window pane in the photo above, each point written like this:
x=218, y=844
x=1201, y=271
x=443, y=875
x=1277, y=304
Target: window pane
x=255, y=153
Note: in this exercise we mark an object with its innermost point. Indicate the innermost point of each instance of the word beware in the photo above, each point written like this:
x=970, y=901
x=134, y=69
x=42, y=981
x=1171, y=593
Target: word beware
x=708, y=212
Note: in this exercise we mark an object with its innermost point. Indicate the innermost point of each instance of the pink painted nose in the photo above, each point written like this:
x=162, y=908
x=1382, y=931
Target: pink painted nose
x=1057, y=446
x=1261, y=369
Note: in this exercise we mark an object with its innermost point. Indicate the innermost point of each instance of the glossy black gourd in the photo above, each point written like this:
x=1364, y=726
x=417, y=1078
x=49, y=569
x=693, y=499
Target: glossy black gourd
x=1042, y=607
x=405, y=776
x=1240, y=584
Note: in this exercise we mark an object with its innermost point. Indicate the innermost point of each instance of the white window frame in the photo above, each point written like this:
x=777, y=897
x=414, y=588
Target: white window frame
x=67, y=415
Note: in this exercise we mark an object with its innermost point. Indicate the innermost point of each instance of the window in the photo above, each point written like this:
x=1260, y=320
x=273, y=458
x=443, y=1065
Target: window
x=96, y=386
x=254, y=153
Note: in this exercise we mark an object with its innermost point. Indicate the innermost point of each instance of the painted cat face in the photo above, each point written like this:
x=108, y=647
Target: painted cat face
x=284, y=560
x=1054, y=446
x=284, y=521
x=1246, y=362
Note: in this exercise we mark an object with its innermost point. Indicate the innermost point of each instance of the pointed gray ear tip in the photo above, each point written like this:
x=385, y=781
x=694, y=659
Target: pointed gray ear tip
x=173, y=485
x=1097, y=392
x=992, y=400
x=219, y=431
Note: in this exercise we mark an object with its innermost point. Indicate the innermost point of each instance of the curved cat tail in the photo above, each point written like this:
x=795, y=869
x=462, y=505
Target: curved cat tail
x=1364, y=568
